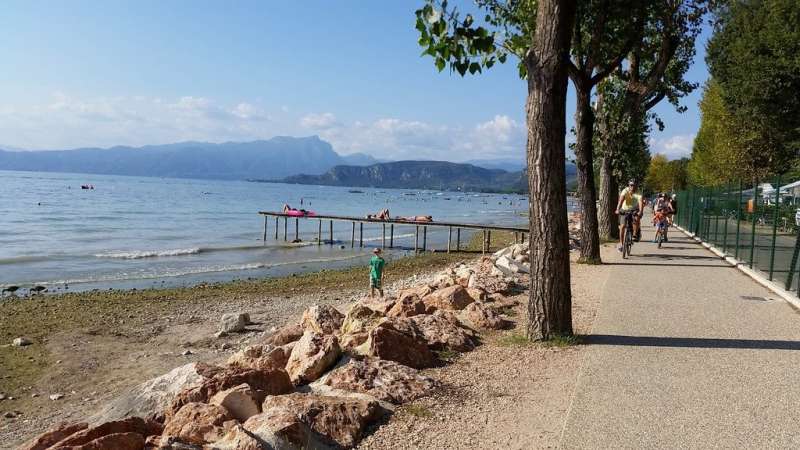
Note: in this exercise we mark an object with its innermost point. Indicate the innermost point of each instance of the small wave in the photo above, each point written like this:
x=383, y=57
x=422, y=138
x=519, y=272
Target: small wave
x=191, y=271
x=138, y=254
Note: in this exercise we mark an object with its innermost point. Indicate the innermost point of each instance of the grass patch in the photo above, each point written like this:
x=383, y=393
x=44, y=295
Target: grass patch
x=561, y=341
x=558, y=341
x=419, y=411
x=447, y=355
x=513, y=339
x=589, y=261
x=499, y=239
x=38, y=318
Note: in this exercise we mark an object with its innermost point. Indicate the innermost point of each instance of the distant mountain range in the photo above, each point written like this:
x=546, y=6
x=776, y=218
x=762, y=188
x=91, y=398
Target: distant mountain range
x=439, y=175
x=275, y=158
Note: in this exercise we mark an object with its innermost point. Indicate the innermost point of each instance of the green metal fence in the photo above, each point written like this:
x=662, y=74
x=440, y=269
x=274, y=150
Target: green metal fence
x=756, y=223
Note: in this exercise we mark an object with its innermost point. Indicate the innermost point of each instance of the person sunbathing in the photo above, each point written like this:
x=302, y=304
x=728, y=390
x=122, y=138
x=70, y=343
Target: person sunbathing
x=416, y=218
x=288, y=209
x=382, y=215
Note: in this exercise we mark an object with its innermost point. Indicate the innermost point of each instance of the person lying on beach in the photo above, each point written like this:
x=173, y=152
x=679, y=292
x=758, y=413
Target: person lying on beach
x=382, y=215
x=416, y=218
x=288, y=209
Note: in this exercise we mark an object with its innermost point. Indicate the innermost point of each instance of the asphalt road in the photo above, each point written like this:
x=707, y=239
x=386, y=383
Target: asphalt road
x=687, y=352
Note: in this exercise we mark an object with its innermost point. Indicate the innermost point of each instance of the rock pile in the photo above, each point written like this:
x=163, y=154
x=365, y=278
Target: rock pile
x=316, y=383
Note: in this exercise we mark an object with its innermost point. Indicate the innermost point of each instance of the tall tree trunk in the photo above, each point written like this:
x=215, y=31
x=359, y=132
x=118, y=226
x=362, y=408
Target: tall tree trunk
x=609, y=225
x=550, y=303
x=584, y=123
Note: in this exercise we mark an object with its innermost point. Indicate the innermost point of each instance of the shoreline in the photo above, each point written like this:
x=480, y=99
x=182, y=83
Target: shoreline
x=90, y=346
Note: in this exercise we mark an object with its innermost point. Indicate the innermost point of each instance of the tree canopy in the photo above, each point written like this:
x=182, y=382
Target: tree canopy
x=751, y=109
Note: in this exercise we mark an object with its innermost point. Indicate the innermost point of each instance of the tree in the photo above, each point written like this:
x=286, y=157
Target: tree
x=753, y=57
x=716, y=154
x=664, y=175
x=655, y=70
x=539, y=33
x=605, y=31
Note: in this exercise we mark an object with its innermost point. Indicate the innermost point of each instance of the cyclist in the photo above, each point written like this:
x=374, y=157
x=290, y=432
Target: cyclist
x=630, y=201
x=662, y=208
x=673, y=206
x=660, y=222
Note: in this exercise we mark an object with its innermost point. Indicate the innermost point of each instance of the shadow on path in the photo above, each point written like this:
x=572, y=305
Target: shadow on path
x=674, y=256
x=660, y=264
x=678, y=342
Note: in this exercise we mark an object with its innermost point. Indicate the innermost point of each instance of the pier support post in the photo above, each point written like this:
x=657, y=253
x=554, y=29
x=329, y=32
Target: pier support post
x=483, y=244
x=361, y=234
x=383, y=236
x=458, y=239
x=449, y=238
x=296, y=229
x=265, y=229
x=285, y=229
x=416, y=239
x=424, y=239
x=391, y=235
x=353, y=236
x=488, y=240
x=319, y=233
x=330, y=230
x=276, y=228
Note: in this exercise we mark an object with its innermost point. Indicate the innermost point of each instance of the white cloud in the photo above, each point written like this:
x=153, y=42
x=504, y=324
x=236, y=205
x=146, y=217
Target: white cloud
x=673, y=147
x=393, y=138
x=66, y=122
x=318, y=121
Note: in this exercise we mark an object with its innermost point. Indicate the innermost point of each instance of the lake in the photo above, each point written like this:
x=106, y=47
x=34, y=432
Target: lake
x=139, y=232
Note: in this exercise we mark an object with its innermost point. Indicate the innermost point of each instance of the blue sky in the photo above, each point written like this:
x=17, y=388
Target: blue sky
x=84, y=73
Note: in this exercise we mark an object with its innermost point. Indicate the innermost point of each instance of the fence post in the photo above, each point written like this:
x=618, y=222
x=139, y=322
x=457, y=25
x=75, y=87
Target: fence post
x=753, y=234
x=794, y=262
x=715, y=205
x=738, y=219
x=774, y=225
x=727, y=205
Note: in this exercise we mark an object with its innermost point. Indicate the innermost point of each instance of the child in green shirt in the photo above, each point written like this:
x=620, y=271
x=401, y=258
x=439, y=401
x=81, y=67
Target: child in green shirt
x=376, y=264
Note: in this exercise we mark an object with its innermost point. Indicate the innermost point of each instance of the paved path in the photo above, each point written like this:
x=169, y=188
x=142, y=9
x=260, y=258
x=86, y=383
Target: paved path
x=687, y=352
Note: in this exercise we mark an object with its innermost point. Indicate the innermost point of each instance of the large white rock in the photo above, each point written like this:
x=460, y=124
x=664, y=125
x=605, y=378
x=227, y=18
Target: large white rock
x=150, y=398
x=234, y=322
x=509, y=267
x=240, y=401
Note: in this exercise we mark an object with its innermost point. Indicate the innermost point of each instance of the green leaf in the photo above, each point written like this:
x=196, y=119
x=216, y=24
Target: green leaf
x=468, y=20
x=474, y=67
x=421, y=26
x=440, y=64
x=461, y=67
x=502, y=58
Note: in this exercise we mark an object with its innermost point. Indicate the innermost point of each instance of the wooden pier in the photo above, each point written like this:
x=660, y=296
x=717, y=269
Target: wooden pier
x=519, y=233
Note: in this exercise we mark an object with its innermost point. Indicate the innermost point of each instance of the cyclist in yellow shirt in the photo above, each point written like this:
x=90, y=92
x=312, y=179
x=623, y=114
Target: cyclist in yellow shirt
x=630, y=201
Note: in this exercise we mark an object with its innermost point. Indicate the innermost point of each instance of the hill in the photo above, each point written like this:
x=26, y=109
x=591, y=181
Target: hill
x=439, y=175
x=274, y=158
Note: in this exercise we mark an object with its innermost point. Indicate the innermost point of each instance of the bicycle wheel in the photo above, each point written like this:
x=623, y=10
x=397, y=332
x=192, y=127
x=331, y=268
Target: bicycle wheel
x=628, y=241
x=659, y=238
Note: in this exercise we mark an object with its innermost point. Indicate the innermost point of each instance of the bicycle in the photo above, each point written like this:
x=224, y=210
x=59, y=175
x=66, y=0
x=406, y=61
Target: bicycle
x=661, y=232
x=627, y=242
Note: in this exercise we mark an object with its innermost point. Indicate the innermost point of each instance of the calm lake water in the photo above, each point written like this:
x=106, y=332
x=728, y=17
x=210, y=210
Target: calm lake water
x=144, y=232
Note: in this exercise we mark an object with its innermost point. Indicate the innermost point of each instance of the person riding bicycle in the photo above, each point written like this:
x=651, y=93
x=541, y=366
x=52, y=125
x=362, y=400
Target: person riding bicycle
x=630, y=202
x=661, y=224
x=663, y=206
x=673, y=206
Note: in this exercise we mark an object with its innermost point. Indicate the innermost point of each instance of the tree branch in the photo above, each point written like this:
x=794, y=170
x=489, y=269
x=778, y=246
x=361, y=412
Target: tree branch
x=597, y=36
x=654, y=101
